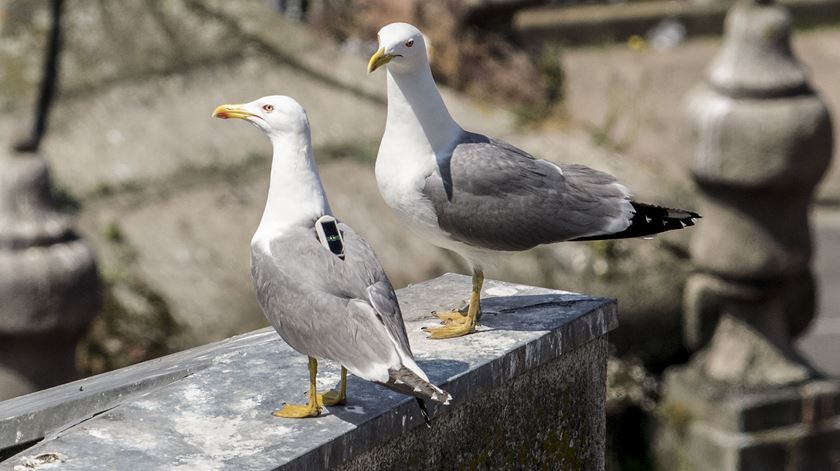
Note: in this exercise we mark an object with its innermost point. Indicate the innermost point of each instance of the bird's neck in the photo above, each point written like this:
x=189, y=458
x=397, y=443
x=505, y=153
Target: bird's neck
x=296, y=195
x=417, y=115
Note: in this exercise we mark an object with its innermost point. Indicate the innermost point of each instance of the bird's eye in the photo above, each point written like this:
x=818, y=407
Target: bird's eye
x=268, y=108
x=409, y=43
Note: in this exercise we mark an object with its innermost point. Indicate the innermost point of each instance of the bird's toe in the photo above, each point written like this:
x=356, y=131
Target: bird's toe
x=330, y=398
x=450, y=330
x=298, y=411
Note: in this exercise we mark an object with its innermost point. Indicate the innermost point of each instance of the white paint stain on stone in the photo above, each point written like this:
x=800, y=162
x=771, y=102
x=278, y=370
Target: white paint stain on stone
x=280, y=430
x=501, y=291
x=194, y=394
x=142, y=440
x=224, y=359
x=219, y=438
x=145, y=404
x=101, y=434
x=247, y=404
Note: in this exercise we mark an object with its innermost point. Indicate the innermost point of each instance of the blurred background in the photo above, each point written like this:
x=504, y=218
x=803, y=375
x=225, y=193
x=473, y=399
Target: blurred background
x=162, y=200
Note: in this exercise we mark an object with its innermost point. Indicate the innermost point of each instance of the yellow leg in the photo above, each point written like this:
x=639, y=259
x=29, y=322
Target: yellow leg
x=311, y=408
x=333, y=397
x=456, y=325
x=458, y=315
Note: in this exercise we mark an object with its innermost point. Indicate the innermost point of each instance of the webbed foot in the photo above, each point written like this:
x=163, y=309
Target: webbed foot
x=298, y=411
x=330, y=398
x=451, y=330
x=457, y=315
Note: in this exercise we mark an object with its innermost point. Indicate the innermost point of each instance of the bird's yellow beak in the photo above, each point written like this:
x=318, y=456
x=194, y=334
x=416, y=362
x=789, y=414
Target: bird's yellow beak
x=231, y=111
x=379, y=59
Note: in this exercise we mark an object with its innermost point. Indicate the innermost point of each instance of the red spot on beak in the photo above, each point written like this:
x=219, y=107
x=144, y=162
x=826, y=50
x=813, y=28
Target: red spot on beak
x=222, y=114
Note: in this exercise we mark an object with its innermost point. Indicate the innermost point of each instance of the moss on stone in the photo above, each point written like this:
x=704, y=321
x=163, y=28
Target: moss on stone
x=558, y=445
x=549, y=418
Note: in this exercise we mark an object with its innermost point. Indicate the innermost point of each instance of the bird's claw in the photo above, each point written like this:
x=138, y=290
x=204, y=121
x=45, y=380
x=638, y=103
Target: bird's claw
x=330, y=398
x=457, y=315
x=450, y=330
x=451, y=317
x=298, y=411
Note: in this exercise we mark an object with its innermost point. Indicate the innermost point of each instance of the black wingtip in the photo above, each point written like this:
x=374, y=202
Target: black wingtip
x=650, y=219
x=424, y=412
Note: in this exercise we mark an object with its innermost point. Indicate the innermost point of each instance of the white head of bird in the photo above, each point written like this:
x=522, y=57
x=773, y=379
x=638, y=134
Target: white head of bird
x=276, y=115
x=295, y=193
x=417, y=116
x=401, y=46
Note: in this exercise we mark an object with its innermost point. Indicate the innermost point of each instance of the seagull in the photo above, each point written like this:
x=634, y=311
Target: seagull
x=476, y=195
x=318, y=282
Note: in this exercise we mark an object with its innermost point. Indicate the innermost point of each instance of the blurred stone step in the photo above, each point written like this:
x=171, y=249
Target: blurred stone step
x=604, y=23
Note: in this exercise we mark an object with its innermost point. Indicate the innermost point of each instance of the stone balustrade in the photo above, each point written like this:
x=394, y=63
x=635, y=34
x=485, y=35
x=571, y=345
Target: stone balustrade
x=529, y=391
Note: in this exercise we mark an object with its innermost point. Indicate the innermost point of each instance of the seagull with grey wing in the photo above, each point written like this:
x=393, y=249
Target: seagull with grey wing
x=317, y=281
x=476, y=195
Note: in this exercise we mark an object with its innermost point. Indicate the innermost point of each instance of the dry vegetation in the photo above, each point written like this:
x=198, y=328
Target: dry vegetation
x=486, y=64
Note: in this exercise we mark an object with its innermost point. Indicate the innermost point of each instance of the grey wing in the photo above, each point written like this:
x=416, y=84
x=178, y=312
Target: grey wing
x=319, y=304
x=493, y=195
x=380, y=292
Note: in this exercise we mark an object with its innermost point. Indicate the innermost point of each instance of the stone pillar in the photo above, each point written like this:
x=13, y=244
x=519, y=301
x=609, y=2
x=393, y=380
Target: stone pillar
x=49, y=284
x=763, y=140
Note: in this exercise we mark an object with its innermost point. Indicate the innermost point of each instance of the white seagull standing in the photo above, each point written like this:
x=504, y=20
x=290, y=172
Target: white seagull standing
x=326, y=299
x=473, y=194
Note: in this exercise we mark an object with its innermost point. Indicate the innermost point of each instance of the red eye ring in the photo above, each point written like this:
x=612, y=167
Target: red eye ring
x=268, y=108
x=409, y=43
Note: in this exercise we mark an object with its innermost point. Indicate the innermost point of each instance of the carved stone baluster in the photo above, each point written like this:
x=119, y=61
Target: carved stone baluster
x=49, y=284
x=762, y=141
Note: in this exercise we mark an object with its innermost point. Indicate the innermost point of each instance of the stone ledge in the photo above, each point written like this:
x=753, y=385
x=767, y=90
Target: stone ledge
x=211, y=406
x=753, y=411
x=705, y=425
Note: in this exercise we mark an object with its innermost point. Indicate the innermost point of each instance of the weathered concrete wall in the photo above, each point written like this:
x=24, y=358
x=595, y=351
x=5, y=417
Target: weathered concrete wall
x=561, y=426
x=529, y=389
